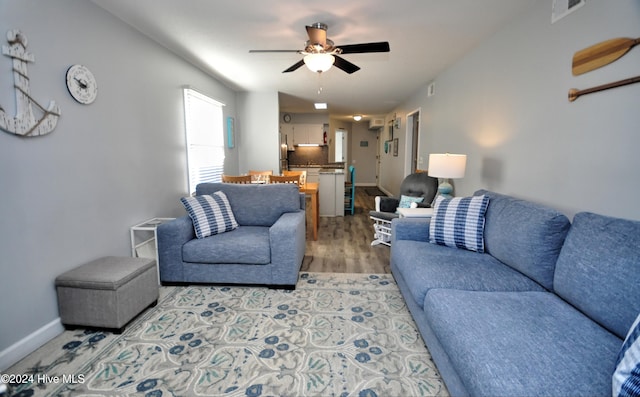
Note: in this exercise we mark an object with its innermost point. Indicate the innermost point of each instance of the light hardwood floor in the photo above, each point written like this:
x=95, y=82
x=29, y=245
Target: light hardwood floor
x=344, y=243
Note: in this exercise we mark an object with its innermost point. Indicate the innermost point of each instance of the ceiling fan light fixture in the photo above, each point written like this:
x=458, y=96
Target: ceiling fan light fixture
x=357, y=117
x=319, y=62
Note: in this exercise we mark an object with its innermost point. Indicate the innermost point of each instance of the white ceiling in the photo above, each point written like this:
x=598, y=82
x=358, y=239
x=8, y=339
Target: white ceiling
x=425, y=36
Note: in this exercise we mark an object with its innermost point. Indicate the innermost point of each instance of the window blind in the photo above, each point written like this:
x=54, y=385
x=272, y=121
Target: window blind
x=205, y=138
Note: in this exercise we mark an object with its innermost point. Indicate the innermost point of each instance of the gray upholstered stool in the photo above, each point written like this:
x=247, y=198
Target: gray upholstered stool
x=108, y=292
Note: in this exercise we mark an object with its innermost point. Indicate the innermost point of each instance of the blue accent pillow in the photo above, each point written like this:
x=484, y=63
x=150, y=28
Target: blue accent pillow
x=405, y=201
x=459, y=222
x=626, y=378
x=211, y=214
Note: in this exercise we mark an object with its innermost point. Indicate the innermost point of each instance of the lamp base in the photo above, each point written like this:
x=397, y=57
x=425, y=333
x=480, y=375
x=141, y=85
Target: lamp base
x=445, y=189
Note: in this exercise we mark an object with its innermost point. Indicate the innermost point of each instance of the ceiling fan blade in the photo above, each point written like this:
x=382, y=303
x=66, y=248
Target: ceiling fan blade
x=345, y=65
x=381, y=46
x=294, y=66
x=258, y=51
x=317, y=34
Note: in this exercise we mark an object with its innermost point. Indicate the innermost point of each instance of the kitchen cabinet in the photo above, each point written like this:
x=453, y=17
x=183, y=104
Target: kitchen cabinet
x=331, y=192
x=308, y=134
x=286, y=134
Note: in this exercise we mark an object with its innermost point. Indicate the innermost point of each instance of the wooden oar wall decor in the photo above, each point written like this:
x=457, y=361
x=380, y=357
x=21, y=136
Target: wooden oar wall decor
x=597, y=56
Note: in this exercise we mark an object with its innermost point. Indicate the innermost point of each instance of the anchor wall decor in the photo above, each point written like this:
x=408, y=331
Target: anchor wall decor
x=26, y=122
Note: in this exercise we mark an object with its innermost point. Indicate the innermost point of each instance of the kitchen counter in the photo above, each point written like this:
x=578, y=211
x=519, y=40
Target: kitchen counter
x=331, y=170
x=331, y=166
x=331, y=192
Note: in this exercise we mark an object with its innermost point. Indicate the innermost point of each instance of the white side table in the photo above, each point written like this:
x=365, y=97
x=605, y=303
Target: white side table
x=144, y=241
x=415, y=212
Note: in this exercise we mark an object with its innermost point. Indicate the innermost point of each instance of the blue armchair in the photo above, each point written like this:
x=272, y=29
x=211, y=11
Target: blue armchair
x=267, y=248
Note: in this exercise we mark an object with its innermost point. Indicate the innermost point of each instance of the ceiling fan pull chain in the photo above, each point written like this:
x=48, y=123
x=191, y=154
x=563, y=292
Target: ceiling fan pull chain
x=319, y=83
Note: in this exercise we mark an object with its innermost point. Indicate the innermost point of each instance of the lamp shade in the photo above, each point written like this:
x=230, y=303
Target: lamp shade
x=447, y=165
x=319, y=62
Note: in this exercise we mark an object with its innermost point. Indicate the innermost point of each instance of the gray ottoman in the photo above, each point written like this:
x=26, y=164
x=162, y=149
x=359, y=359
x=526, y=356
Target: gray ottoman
x=108, y=292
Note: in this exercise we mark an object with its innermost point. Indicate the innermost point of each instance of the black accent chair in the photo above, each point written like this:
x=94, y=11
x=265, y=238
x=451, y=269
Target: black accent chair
x=419, y=184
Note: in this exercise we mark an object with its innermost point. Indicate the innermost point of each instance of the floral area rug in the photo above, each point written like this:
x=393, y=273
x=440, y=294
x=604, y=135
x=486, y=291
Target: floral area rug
x=335, y=335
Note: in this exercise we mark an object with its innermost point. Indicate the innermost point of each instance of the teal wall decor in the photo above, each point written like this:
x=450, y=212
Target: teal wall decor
x=230, y=133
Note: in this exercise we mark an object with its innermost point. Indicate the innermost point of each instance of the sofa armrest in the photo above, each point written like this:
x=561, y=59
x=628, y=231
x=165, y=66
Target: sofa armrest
x=288, y=240
x=171, y=237
x=416, y=229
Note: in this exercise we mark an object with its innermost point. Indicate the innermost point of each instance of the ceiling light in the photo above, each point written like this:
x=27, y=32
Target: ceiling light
x=319, y=62
x=357, y=117
x=320, y=105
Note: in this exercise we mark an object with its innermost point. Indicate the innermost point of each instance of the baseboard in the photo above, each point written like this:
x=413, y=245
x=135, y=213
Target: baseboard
x=366, y=184
x=388, y=193
x=25, y=346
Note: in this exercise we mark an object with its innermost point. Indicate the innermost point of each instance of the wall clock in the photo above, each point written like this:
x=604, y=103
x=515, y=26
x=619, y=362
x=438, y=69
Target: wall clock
x=81, y=84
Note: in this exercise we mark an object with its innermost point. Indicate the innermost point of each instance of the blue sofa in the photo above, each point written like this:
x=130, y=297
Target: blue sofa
x=542, y=312
x=267, y=248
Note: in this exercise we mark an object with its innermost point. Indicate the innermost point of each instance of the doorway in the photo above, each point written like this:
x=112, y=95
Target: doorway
x=341, y=146
x=413, y=121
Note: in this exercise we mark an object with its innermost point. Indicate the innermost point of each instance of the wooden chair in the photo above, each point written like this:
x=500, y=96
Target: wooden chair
x=285, y=179
x=301, y=174
x=242, y=179
x=260, y=176
x=350, y=192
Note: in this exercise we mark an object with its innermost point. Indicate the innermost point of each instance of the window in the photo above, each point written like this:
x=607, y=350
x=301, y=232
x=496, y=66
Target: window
x=205, y=138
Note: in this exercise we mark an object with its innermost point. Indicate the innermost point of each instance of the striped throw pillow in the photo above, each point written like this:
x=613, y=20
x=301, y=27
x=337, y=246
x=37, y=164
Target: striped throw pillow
x=459, y=222
x=211, y=214
x=626, y=378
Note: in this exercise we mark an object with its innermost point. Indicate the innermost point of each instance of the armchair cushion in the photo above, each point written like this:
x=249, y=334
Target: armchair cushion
x=245, y=245
x=257, y=205
x=211, y=214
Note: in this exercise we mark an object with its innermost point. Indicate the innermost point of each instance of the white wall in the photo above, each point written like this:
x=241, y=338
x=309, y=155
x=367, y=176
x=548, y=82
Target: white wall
x=505, y=105
x=260, y=142
x=363, y=157
x=71, y=196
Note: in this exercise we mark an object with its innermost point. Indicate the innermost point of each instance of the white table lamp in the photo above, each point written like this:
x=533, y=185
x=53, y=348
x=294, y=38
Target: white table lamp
x=447, y=166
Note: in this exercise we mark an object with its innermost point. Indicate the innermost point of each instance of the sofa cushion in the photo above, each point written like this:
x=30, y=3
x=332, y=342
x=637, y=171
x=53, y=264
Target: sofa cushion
x=244, y=245
x=524, y=235
x=426, y=266
x=211, y=214
x=459, y=222
x=626, y=378
x=598, y=270
x=257, y=204
x=522, y=343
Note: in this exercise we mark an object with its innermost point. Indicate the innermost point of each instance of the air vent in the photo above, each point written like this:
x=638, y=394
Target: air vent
x=375, y=124
x=562, y=8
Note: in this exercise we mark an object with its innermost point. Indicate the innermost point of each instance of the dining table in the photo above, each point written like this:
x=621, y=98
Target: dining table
x=311, y=189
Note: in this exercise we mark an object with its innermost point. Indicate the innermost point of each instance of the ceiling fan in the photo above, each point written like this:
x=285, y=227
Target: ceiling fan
x=320, y=53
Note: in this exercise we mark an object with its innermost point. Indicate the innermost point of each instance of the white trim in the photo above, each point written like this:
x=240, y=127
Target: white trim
x=30, y=343
x=409, y=143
